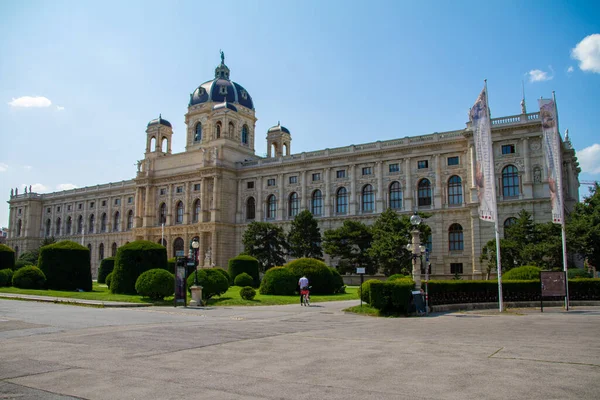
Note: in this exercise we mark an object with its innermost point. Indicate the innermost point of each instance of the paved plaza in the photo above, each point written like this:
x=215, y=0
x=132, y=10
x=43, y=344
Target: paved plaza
x=54, y=351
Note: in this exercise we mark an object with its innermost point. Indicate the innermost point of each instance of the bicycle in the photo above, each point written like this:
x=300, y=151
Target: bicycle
x=305, y=293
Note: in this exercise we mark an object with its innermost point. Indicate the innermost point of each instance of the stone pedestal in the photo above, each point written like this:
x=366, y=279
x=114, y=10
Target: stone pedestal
x=196, y=296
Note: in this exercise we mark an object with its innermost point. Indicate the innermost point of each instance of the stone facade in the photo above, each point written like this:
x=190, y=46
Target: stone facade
x=218, y=185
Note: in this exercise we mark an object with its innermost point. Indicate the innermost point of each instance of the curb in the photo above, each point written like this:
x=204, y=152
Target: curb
x=66, y=300
x=514, y=304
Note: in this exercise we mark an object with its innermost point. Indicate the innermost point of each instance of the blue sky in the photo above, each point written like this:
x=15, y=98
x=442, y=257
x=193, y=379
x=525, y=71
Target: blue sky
x=79, y=80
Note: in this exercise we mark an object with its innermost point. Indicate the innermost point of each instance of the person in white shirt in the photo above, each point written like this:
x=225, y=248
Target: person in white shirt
x=303, y=283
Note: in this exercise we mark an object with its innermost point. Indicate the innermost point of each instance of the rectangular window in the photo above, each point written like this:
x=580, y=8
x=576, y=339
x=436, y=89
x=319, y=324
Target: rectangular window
x=20, y=211
x=103, y=203
x=179, y=189
x=453, y=160
x=456, y=268
x=271, y=182
x=117, y=202
x=163, y=191
x=48, y=210
x=394, y=168
x=196, y=187
x=130, y=200
x=316, y=177
x=367, y=171
x=508, y=148
x=293, y=179
x=423, y=164
x=69, y=207
x=340, y=174
x=58, y=209
x=92, y=204
x=80, y=206
x=250, y=185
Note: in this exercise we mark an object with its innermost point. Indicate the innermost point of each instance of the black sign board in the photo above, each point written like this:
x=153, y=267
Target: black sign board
x=553, y=284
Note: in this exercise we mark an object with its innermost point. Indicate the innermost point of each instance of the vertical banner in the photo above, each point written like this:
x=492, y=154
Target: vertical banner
x=484, y=167
x=552, y=156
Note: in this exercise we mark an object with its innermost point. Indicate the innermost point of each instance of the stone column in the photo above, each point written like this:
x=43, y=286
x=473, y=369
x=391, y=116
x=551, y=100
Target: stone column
x=170, y=219
x=303, y=202
x=202, y=216
x=215, y=200
x=352, y=197
x=437, y=195
x=214, y=248
x=326, y=193
x=379, y=205
x=527, y=181
x=137, y=208
x=282, y=200
x=239, y=203
x=408, y=189
x=259, y=200
x=187, y=215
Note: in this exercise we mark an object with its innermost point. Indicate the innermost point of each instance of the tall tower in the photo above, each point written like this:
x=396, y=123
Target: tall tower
x=159, y=135
x=279, y=141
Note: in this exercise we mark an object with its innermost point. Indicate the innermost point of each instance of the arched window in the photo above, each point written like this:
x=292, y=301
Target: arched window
x=424, y=192
x=101, y=251
x=68, y=227
x=58, y=222
x=250, y=208
x=231, y=128
x=179, y=219
x=367, y=198
x=510, y=181
x=509, y=221
x=271, y=207
x=153, y=144
x=114, y=249
x=177, y=245
x=48, y=224
x=245, y=134
x=293, y=204
x=341, y=201
x=91, y=225
x=455, y=190
x=455, y=238
x=395, y=196
x=80, y=224
x=196, y=213
x=198, y=135
x=19, y=226
x=218, y=129
x=316, y=204
x=162, y=213
x=103, y=223
x=117, y=222
x=130, y=220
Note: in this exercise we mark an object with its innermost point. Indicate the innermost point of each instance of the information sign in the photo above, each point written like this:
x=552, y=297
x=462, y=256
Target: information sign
x=360, y=270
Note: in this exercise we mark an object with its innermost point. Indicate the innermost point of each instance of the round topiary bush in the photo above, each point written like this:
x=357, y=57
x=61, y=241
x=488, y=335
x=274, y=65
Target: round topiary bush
x=524, y=273
x=107, y=266
x=338, y=281
x=278, y=280
x=132, y=260
x=243, y=263
x=574, y=273
x=108, y=279
x=6, y=275
x=29, y=278
x=22, y=263
x=243, y=279
x=225, y=274
x=212, y=281
x=365, y=290
x=7, y=257
x=318, y=273
x=156, y=283
x=397, y=276
x=66, y=266
x=247, y=293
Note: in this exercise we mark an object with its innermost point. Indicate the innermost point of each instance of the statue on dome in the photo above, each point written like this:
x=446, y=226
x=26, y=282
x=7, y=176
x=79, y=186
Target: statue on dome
x=25, y=189
x=222, y=57
x=11, y=192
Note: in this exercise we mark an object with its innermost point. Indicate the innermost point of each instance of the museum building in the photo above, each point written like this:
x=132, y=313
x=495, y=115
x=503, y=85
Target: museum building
x=213, y=189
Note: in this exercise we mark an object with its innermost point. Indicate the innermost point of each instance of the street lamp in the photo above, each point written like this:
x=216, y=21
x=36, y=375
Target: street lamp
x=195, y=246
x=416, y=249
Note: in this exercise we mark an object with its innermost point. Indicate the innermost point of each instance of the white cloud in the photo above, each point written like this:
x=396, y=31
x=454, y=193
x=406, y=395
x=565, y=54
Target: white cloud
x=3, y=167
x=59, y=108
x=570, y=69
x=35, y=188
x=537, y=75
x=587, y=52
x=65, y=186
x=589, y=159
x=27, y=167
x=30, y=101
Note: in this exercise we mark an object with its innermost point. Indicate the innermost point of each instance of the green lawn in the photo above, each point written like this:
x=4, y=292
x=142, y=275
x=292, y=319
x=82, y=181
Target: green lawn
x=230, y=298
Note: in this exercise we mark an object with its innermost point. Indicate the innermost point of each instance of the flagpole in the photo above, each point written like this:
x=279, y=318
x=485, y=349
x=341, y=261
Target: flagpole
x=496, y=229
x=562, y=207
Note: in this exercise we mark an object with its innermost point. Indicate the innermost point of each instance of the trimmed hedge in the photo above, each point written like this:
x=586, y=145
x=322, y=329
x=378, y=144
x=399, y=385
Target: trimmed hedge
x=225, y=274
x=574, y=273
x=524, y=273
x=66, y=265
x=243, y=279
x=280, y=281
x=318, y=273
x=338, y=281
x=7, y=257
x=108, y=279
x=212, y=281
x=171, y=262
x=6, y=275
x=365, y=290
x=107, y=266
x=243, y=263
x=247, y=293
x=397, y=276
x=156, y=283
x=394, y=297
x=22, y=263
x=133, y=259
x=29, y=278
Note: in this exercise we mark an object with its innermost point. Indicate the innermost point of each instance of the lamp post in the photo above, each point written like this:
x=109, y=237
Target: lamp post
x=416, y=248
x=195, y=246
x=196, y=289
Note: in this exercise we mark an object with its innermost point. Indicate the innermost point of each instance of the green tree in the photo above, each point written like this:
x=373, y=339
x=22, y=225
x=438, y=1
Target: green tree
x=583, y=227
x=266, y=242
x=350, y=243
x=305, y=237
